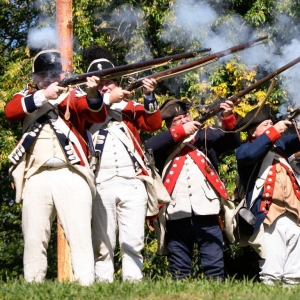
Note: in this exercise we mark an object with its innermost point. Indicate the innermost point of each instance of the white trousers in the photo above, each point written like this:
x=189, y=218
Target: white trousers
x=120, y=204
x=66, y=193
x=282, y=263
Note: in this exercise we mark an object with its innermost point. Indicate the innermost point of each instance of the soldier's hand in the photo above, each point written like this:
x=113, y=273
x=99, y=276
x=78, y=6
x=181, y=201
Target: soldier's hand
x=191, y=127
x=117, y=95
x=149, y=85
x=53, y=91
x=282, y=126
x=227, y=107
x=91, y=87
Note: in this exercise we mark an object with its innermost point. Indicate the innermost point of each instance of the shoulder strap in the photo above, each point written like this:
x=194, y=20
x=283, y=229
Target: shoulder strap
x=49, y=105
x=262, y=175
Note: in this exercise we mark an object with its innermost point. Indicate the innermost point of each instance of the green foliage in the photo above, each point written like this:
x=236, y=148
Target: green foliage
x=228, y=171
x=139, y=37
x=14, y=28
x=260, y=12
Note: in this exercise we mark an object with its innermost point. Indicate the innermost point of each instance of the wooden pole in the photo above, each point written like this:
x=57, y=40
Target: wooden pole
x=64, y=26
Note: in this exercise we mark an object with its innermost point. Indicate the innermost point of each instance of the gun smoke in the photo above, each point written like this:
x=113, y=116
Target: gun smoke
x=195, y=24
x=192, y=23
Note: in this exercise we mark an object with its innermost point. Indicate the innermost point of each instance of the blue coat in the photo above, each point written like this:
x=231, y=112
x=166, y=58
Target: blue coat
x=217, y=143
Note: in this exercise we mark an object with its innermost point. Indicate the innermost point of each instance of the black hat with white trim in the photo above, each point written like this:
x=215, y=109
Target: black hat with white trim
x=47, y=61
x=99, y=64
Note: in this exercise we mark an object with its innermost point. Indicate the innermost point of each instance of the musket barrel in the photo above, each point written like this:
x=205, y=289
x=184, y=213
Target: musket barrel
x=197, y=63
x=267, y=78
x=124, y=70
x=216, y=109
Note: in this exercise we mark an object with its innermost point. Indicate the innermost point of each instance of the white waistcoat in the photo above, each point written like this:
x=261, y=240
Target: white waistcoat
x=45, y=147
x=192, y=192
x=115, y=160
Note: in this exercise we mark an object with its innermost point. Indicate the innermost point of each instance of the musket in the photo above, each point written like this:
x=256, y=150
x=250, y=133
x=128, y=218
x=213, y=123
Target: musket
x=130, y=69
x=197, y=63
x=216, y=109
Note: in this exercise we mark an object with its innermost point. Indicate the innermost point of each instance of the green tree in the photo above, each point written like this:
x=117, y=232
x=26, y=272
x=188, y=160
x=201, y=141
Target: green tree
x=137, y=30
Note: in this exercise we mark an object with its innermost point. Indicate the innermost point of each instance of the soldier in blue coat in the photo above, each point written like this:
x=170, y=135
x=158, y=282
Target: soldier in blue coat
x=272, y=194
x=187, y=158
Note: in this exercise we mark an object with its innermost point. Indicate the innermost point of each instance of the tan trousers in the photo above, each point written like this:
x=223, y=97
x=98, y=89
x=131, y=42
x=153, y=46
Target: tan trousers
x=63, y=192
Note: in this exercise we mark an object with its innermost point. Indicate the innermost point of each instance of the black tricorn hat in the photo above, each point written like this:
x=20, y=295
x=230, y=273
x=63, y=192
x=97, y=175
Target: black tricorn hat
x=174, y=107
x=99, y=64
x=47, y=61
x=256, y=118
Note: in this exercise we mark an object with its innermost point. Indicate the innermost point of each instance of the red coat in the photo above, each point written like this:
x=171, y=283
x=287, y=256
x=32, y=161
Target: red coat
x=81, y=115
x=137, y=118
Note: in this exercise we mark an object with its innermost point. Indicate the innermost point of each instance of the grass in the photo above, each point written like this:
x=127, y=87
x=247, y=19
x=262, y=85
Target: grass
x=148, y=289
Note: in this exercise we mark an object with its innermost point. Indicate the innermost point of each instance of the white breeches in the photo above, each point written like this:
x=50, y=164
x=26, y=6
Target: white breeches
x=120, y=204
x=66, y=193
x=282, y=263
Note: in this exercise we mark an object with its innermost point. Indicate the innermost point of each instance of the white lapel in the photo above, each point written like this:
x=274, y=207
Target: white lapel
x=49, y=105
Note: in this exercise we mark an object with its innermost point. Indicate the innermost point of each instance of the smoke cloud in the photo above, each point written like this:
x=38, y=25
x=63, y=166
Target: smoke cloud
x=42, y=38
x=192, y=23
x=129, y=22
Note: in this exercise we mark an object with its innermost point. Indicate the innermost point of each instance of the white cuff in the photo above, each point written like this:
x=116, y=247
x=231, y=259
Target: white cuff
x=39, y=98
x=106, y=98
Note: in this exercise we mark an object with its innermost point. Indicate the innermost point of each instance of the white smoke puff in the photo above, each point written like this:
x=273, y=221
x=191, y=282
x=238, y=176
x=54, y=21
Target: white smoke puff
x=193, y=14
x=127, y=18
x=233, y=27
x=41, y=4
x=187, y=22
x=42, y=38
x=291, y=51
x=289, y=77
x=128, y=25
x=191, y=21
x=138, y=50
x=260, y=54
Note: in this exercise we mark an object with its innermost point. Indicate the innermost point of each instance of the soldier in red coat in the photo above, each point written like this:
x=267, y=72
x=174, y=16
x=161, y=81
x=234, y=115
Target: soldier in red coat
x=121, y=201
x=50, y=170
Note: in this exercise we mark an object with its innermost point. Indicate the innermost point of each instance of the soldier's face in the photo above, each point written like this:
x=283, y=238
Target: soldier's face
x=44, y=79
x=106, y=86
x=261, y=128
x=181, y=119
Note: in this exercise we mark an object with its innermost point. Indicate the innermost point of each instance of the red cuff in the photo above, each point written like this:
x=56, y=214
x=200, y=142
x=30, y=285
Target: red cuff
x=272, y=134
x=177, y=133
x=229, y=122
